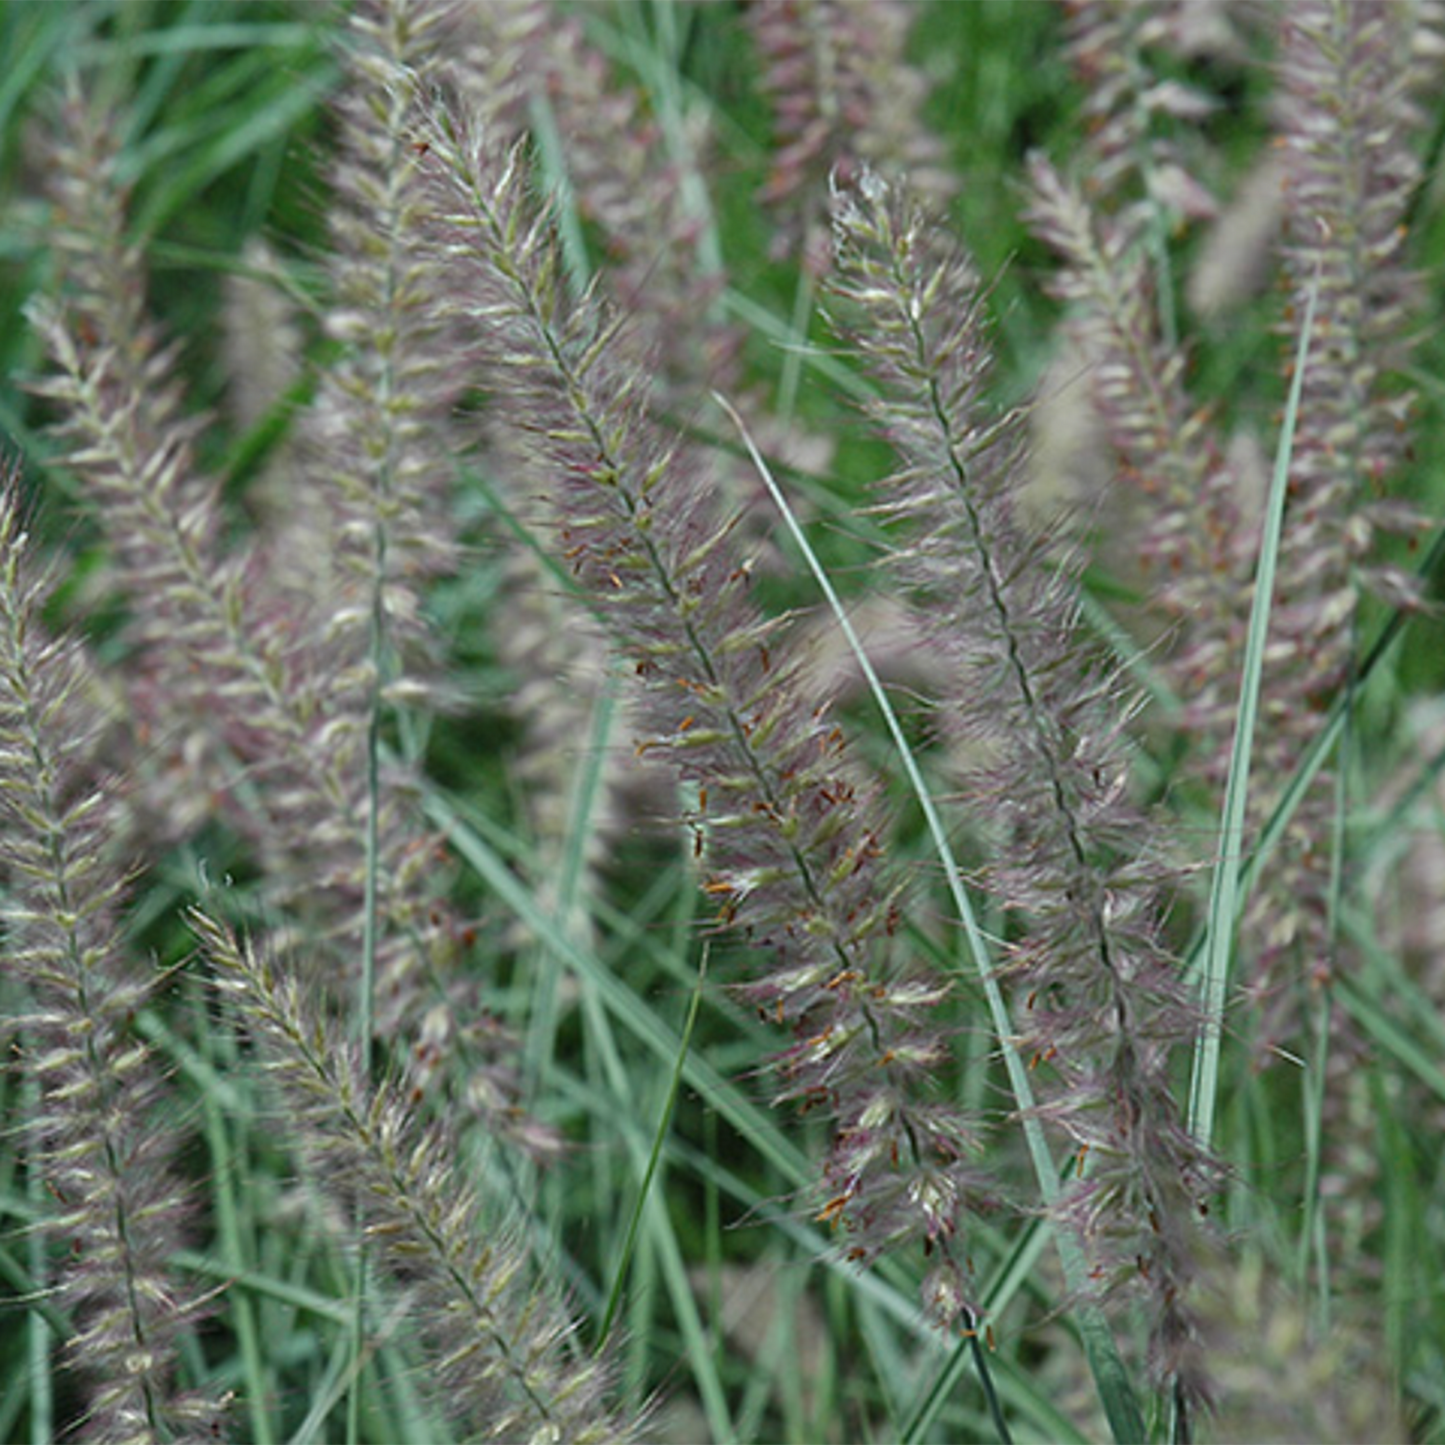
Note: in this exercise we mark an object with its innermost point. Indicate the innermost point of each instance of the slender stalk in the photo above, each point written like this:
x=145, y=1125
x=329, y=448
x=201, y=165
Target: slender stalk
x=1225, y=891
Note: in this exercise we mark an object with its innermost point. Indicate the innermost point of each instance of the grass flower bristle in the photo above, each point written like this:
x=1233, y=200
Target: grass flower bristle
x=501, y=1350
x=1075, y=863
x=696, y=788
x=101, y=1138
x=794, y=853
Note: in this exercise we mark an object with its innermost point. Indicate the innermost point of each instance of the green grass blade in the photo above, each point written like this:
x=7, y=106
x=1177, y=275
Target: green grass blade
x=614, y=1298
x=1225, y=895
x=641, y=1021
x=1313, y=759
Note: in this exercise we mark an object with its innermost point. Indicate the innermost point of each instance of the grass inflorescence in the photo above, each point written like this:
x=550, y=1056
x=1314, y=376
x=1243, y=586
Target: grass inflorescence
x=721, y=721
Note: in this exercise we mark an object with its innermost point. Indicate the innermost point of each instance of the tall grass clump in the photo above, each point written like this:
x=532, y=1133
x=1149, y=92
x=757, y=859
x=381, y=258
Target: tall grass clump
x=720, y=722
